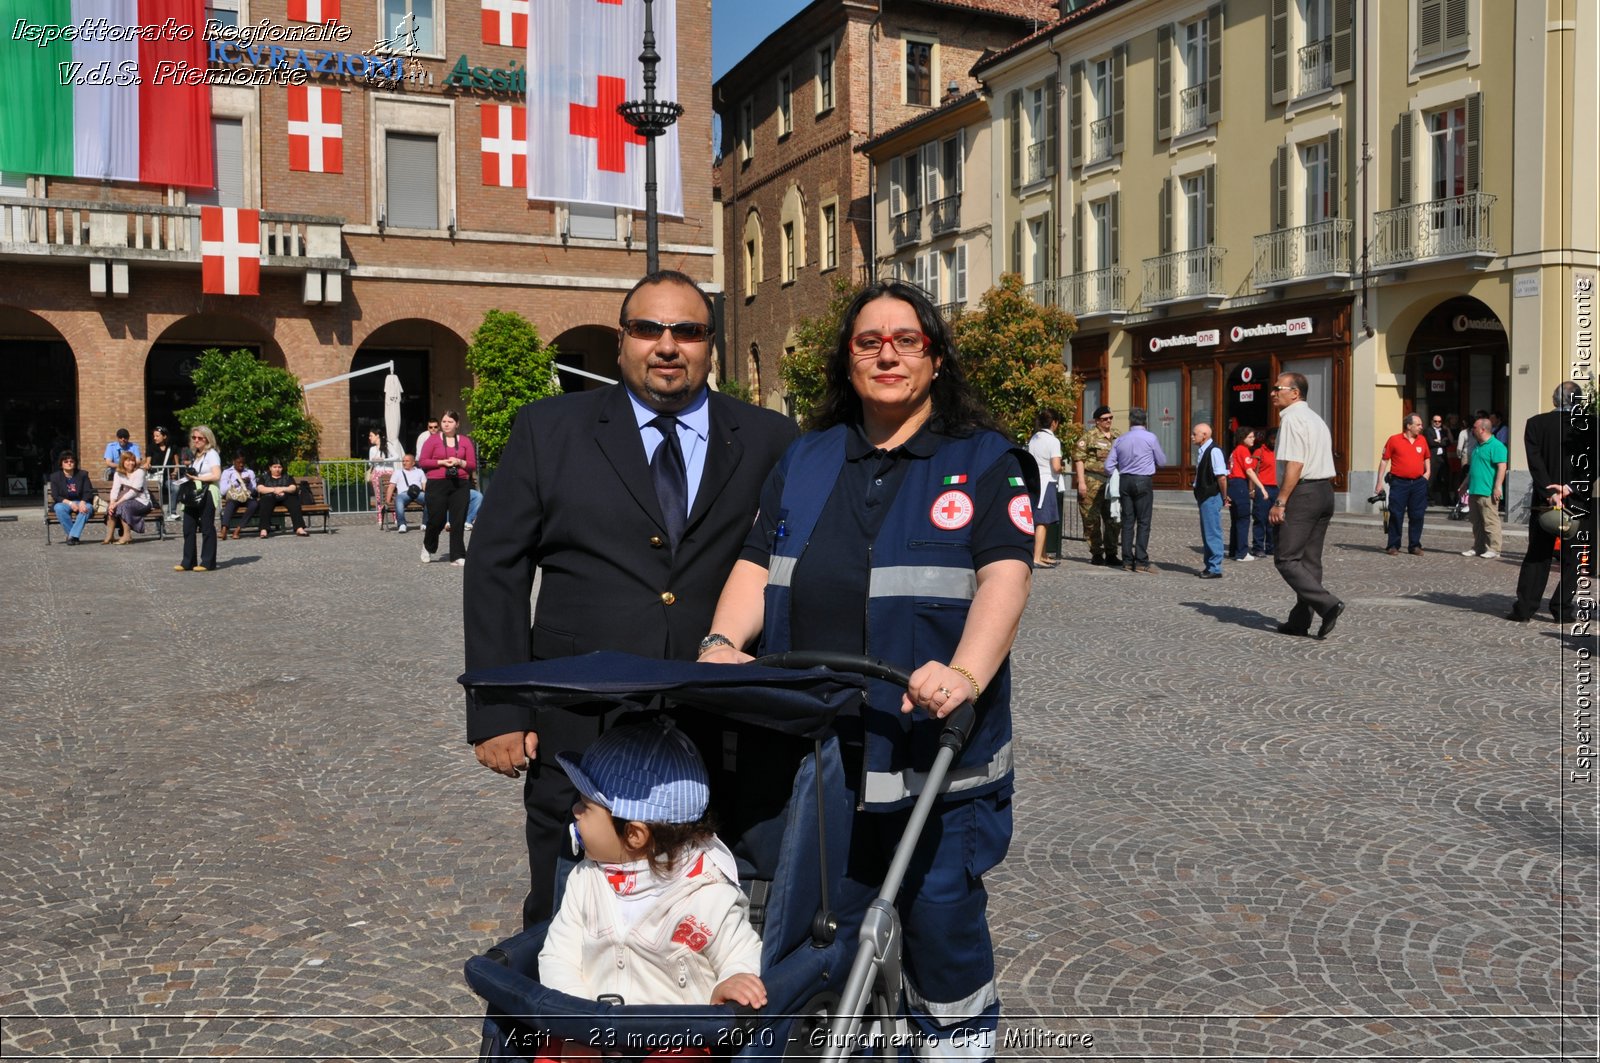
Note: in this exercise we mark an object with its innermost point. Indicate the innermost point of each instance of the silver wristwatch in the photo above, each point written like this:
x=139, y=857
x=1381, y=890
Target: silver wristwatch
x=714, y=640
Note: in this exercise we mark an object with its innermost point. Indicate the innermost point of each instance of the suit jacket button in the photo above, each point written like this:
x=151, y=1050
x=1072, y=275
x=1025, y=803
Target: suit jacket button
x=657, y=541
x=667, y=597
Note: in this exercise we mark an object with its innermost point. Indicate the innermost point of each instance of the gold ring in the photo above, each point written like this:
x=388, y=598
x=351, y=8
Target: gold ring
x=945, y=691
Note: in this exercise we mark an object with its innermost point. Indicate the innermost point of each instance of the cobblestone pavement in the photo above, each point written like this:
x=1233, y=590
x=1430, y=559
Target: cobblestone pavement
x=239, y=819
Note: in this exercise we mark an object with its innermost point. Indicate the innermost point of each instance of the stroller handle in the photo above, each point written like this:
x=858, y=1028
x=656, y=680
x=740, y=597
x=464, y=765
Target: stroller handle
x=957, y=726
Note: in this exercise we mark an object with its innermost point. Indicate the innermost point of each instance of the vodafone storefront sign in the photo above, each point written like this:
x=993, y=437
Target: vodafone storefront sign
x=1295, y=326
x=1203, y=338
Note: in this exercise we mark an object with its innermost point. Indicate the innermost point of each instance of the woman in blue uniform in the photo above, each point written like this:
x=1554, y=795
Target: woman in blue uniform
x=903, y=528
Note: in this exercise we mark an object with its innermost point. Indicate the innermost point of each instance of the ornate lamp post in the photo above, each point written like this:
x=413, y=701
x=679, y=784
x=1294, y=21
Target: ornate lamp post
x=650, y=117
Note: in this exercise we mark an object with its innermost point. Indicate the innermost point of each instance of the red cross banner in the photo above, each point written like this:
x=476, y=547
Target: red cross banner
x=316, y=129
x=505, y=22
x=314, y=10
x=583, y=60
x=505, y=145
x=230, y=251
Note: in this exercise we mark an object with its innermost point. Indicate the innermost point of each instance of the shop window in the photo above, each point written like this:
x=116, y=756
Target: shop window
x=1164, y=401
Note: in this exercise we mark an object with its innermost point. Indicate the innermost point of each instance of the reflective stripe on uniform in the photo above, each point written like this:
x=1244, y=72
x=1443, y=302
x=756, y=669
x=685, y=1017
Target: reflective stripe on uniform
x=780, y=570
x=926, y=581
x=971, y=1045
x=888, y=787
x=949, y=1012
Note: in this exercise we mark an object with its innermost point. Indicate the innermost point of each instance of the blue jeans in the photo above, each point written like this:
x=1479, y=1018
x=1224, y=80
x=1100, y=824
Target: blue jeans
x=1262, y=538
x=73, y=524
x=1407, y=498
x=1211, y=532
x=1239, y=490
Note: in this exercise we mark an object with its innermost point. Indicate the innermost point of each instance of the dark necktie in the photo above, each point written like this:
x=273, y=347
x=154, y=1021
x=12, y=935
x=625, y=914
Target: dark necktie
x=671, y=478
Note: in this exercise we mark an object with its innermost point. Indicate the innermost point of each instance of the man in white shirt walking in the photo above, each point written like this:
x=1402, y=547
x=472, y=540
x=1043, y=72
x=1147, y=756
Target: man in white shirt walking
x=1304, y=508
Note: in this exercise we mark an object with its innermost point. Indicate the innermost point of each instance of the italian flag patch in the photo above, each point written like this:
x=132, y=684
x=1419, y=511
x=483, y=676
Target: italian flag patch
x=1015, y=481
x=950, y=481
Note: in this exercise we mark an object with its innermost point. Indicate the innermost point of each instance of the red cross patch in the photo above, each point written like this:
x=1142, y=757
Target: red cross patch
x=1020, y=510
x=693, y=933
x=951, y=510
x=622, y=882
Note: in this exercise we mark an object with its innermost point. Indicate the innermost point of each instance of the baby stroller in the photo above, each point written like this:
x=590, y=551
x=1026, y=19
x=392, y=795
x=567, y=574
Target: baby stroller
x=1462, y=508
x=830, y=953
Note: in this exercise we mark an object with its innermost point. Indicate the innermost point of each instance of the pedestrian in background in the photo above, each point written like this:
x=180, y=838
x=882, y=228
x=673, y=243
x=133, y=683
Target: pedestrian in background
x=118, y=447
x=1094, y=502
x=1211, y=495
x=1304, y=507
x=448, y=460
x=130, y=501
x=1484, y=485
x=1243, y=485
x=1560, y=448
x=1134, y=457
x=200, y=515
x=1407, y=462
x=1263, y=537
x=1046, y=451
x=1439, y=442
x=72, y=497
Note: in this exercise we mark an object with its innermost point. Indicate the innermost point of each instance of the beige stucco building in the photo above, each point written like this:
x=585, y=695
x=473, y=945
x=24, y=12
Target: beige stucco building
x=1396, y=199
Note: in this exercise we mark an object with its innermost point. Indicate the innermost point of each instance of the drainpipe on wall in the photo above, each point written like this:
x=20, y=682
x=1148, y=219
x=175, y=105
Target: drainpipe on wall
x=1366, y=177
x=730, y=327
x=1060, y=185
x=872, y=128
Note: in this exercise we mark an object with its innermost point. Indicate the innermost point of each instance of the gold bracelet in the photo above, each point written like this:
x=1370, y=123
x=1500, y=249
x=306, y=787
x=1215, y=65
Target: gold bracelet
x=968, y=676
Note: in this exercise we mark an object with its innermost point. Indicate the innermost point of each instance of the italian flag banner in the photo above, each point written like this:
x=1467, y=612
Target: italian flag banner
x=106, y=90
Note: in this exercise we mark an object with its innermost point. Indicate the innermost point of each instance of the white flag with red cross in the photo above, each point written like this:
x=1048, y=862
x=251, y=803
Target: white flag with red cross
x=314, y=10
x=505, y=22
x=505, y=144
x=583, y=60
x=230, y=251
x=316, y=129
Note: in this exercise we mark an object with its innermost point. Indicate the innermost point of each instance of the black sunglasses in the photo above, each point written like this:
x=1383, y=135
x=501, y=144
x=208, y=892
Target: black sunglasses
x=643, y=328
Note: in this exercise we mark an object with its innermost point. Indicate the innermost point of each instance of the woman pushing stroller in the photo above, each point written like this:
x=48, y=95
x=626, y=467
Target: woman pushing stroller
x=904, y=528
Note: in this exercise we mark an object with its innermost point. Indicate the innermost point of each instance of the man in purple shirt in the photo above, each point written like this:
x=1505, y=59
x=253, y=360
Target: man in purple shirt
x=1135, y=456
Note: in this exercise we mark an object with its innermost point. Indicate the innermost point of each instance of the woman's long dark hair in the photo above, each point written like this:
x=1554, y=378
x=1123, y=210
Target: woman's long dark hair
x=957, y=409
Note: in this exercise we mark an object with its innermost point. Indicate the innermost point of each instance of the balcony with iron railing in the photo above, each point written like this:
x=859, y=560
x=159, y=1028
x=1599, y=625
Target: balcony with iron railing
x=948, y=311
x=1084, y=295
x=1100, y=140
x=1315, y=68
x=31, y=227
x=1457, y=227
x=1184, y=275
x=1039, y=166
x=1320, y=250
x=944, y=215
x=1191, y=110
x=906, y=227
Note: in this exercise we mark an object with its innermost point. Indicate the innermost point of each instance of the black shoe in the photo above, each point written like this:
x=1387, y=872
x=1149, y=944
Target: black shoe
x=1329, y=619
x=1113, y=560
x=1210, y=575
x=1517, y=618
x=1096, y=560
x=72, y=540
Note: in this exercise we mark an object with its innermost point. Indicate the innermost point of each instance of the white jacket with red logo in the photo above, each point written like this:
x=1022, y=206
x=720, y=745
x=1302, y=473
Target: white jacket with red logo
x=695, y=936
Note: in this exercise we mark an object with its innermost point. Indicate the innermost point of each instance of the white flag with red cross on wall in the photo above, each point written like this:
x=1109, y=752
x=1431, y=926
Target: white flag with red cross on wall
x=314, y=10
x=583, y=60
x=230, y=251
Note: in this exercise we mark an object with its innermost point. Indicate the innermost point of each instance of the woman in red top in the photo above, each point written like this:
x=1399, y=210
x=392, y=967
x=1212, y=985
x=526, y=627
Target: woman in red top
x=1262, y=540
x=1242, y=486
x=448, y=460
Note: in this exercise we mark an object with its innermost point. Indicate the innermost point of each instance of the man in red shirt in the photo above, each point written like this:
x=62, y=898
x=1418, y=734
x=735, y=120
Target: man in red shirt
x=1406, y=459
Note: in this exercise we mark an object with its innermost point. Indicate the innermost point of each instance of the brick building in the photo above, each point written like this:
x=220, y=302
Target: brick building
x=397, y=257
x=796, y=195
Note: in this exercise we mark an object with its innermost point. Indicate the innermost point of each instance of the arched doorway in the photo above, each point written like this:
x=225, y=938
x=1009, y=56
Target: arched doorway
x=38, y=405
x=431, y=361
x=169, y=367
x=592, y=348
x=1456, y=362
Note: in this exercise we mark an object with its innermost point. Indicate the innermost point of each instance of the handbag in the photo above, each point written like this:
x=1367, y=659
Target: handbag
x=100, y=506
x=238, y=492
x=192, y=497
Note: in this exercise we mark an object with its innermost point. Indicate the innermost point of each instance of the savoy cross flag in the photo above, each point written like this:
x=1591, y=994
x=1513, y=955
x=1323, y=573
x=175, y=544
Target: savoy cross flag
x=583, y=60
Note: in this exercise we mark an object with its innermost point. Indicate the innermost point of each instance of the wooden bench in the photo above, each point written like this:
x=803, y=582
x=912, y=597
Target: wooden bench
x=313, y=503
x=412, y=505
x=155, y=516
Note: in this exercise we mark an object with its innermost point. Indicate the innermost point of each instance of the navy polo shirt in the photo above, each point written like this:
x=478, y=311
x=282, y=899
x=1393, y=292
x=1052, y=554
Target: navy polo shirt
x=832, y=576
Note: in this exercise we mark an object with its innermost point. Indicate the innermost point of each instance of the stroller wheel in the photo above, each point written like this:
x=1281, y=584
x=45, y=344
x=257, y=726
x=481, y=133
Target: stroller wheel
x=808, y=1034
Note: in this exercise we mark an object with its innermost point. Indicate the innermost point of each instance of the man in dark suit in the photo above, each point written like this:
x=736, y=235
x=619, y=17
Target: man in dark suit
x=1440, y=441
x=1560, y=446
x=634, y=521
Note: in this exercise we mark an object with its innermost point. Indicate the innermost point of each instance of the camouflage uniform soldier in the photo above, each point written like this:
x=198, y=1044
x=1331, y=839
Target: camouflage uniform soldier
x=1089, y=470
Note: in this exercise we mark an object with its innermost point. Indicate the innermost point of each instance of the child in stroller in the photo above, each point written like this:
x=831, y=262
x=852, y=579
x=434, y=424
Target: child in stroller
x=654, y=913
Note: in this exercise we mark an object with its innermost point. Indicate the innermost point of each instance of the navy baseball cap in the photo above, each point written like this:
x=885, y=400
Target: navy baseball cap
x=648, y=772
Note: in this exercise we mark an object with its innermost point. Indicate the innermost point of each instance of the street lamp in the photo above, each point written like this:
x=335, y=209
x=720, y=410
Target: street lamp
x=650, y=117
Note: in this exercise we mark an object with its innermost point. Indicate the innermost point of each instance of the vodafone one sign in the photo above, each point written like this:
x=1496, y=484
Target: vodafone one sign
x=1295, y=326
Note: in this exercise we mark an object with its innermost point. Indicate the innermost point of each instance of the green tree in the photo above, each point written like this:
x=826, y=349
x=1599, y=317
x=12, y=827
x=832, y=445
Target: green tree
x=510, y=368
x=251, y=406
x=734, y=388
x=803, y=370
x=1011, y=347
